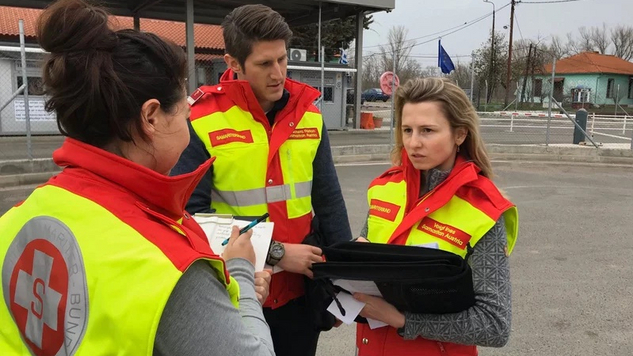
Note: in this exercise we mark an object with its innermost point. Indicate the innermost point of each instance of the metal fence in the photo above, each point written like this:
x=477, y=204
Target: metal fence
x=543, y=111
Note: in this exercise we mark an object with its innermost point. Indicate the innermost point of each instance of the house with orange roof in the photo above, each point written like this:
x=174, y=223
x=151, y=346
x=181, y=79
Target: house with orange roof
x=587, y=79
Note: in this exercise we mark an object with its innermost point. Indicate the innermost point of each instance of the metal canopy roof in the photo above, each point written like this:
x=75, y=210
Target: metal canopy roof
x=296, y=12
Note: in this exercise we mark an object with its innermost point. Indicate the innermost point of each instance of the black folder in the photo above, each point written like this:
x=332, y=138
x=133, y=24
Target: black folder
x=413, y=279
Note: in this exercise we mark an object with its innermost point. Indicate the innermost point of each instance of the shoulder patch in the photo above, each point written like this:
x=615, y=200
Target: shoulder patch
x=195, y=96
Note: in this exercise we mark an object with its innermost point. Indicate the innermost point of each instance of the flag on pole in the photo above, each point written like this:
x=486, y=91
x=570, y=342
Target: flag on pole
x=343, y=58
x=444, y=60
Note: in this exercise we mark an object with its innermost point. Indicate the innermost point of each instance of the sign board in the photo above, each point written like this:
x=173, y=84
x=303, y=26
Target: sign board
x=37, y=112
x=386, y=82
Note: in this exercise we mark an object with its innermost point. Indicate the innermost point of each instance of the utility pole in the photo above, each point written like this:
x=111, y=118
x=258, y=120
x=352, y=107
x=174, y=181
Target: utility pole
x=492, y=54
x=509, y=75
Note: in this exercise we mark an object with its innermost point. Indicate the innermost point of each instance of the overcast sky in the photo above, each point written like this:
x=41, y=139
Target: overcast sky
x=426, y=17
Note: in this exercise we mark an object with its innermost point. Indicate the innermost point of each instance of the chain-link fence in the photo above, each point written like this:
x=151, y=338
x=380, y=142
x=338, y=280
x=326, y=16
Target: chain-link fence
x=544, y=96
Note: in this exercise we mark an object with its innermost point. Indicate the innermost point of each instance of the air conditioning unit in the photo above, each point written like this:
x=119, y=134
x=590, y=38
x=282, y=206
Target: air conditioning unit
x=298, y=55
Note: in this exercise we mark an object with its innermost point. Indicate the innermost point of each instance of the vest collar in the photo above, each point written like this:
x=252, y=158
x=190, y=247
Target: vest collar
x=301, y=95
x=463, y=172
x=465, y=169
x=164, y=194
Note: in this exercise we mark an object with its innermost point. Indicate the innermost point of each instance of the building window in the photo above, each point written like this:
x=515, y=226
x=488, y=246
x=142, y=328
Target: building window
x=36, y=87
x=538, y=87
x=328, y=94
x=630, y=87
x=610, y=88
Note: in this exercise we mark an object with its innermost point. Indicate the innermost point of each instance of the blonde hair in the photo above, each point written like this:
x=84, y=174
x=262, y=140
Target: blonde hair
x=456, y=107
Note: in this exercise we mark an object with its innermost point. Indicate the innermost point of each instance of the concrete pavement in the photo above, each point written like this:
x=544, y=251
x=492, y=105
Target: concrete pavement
x=571, y=270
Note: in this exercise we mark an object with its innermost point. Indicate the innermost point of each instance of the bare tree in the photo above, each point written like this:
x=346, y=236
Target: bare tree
x=600, y=38
x=406, y=66
x=430, y=71
x=371, y=71
x=585, y=44
x=462, y=74
x=558, y=48
x=622, y=38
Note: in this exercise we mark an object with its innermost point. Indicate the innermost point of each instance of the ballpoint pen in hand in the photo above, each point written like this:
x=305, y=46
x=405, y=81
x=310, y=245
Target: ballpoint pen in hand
x=248, y=227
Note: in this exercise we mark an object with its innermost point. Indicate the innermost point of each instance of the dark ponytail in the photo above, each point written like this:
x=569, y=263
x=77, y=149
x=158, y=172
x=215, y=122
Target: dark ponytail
x=97, y=79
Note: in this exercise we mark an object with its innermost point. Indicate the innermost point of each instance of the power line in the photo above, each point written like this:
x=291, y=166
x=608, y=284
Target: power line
x=547, y=2
x=466, y=26
x=516, y=19
x=455, y=28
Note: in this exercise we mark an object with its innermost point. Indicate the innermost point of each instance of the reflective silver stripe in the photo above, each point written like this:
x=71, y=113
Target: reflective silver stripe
x=278, y=193
x=303, y=190
x=251, y=197
x=239, y=198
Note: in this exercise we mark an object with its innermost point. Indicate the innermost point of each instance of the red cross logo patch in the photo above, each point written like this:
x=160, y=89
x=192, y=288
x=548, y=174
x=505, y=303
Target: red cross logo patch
x=38, y=302
x=44, y=287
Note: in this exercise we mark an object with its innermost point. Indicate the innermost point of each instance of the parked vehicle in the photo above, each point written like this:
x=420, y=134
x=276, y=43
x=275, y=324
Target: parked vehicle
x=374, y=94
x=351, y=97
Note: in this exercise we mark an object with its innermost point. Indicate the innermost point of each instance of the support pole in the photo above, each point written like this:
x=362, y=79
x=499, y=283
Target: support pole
x=192, y=82
x=551, y=100
x=358, y=58
x=25, y=83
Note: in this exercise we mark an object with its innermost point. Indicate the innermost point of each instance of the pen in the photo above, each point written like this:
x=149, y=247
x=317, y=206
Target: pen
x=248, y=227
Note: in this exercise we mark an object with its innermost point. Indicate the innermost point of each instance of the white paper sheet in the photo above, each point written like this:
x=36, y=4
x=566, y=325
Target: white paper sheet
x=352, y=308
x=218, y=229
x=375, y=324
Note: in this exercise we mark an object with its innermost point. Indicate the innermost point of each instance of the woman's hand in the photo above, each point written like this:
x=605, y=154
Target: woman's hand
x=262, y=285
x=240, y=246
x=379, y=309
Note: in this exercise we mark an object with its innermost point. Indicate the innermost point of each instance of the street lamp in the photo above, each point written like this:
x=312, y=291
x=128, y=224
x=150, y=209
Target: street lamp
x=492, y=53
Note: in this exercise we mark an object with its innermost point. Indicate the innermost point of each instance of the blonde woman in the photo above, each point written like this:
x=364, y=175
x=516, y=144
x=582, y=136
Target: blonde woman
x=440, y=195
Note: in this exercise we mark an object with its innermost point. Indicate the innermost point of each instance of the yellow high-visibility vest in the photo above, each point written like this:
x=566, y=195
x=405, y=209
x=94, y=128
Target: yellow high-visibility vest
x=76, y=276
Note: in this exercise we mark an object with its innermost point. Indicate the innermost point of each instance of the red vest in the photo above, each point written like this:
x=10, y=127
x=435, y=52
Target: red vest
x=464, y=182
x=251, y=156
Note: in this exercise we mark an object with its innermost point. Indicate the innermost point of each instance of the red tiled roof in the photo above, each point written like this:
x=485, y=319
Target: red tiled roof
x=591, y=62
x=205, y=36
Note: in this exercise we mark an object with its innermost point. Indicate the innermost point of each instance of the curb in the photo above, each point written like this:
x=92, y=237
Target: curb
x=25, y=172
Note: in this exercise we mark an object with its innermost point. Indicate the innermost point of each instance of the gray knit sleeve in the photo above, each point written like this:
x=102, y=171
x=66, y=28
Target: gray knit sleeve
x=365, y=229
x=487, y=323
x=199, y=318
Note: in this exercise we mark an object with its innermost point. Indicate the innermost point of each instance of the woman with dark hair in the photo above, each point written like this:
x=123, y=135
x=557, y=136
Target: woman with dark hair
x=103, y=259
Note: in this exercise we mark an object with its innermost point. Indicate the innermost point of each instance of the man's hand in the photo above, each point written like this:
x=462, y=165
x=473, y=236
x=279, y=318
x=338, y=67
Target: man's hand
x=298, y=258
x=379, y=309
x=262, y=285
x=361, y=239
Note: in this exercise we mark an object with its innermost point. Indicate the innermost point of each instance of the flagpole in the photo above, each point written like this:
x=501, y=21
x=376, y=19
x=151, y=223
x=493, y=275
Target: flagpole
x=439, y=54
x=393, y=93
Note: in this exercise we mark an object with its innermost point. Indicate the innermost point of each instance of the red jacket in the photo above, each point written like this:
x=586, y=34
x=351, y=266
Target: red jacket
x=463, y=181
x=149, y=202
x=284, y=286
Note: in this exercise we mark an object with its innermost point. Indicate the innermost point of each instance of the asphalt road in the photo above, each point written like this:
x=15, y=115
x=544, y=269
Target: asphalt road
x=493, y=132
x=571, y=268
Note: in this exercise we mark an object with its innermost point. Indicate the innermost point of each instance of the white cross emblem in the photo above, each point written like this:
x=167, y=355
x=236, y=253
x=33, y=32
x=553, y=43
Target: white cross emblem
x=34, y=294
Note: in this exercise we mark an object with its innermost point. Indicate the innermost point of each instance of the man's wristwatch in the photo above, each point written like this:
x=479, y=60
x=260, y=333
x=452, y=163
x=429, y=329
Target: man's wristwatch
x=275, y=253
